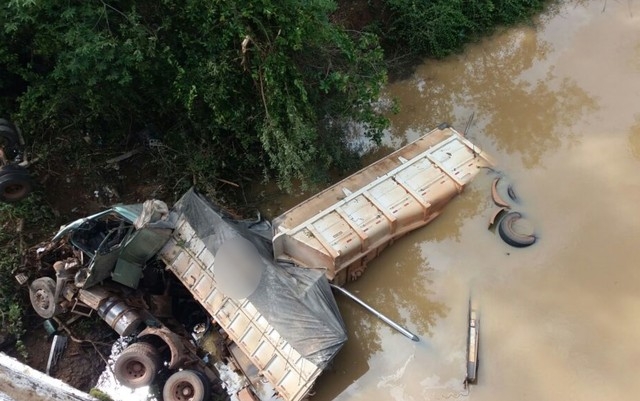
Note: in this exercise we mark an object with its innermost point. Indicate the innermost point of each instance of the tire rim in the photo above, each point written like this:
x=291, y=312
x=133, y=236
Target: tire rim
x=42, y=299
x=184, y=391
x=14, y=190
x=135, y=370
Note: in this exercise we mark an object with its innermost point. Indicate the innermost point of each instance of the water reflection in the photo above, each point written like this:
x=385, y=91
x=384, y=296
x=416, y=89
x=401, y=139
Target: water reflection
x=399, y=286
x=558, y=318
x=499, y=82
x=634, y=138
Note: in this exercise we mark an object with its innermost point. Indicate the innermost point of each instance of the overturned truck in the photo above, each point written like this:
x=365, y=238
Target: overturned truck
x=280, y=320
x=267, y=290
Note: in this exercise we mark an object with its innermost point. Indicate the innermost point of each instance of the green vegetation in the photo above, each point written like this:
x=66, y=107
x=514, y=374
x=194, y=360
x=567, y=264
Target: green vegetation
x=100, y=395
x=440, y=27
x=261, y=89
x=13, y=241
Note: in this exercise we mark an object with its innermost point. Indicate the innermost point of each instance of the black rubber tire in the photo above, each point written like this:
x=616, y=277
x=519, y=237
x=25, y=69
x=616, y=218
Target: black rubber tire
x=187, y=385
x=510, y=235
x=13, y=168
x=15, y=186
x=42, y=293
x=512, y=194
x=7, y=123
x=9, y=138
x=137, y=365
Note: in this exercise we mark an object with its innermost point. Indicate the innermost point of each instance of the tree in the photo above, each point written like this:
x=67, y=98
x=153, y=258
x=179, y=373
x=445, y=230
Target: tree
x=266, y=86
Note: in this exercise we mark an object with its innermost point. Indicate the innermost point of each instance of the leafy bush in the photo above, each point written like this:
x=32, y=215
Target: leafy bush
x=257, y=87
x=440, y=27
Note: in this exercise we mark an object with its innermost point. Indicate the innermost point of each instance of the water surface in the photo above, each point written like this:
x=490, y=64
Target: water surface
x=557, y=104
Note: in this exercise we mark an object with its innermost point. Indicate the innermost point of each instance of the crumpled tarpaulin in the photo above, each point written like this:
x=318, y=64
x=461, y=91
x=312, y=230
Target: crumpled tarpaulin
x=296, y=301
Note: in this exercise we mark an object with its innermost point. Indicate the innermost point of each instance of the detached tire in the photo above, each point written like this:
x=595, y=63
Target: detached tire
x=42, y=293
x=187, y=385
x=5, y=122
x=511, y=234
x=137, y=365
x=9, y=141
x=14, y=185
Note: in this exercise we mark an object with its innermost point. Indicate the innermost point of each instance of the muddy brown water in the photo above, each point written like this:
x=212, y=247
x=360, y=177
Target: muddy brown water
x=557, y=104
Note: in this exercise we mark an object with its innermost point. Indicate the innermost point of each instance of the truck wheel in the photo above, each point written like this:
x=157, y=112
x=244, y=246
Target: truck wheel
x=7, y=123
x=42, y=293
x=9, y=138
x=15, y=186
x=514, y=235
x=186, y=385
x=137, y=365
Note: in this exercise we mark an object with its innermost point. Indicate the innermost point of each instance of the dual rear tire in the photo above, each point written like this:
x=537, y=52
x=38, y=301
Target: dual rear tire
x=138, y=365
x=15, y=183
x=187, y=385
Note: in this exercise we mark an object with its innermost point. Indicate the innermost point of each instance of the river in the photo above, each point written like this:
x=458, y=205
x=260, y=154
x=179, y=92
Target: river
x=557, y=104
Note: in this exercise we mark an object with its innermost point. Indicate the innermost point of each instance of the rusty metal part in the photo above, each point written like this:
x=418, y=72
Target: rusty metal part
x=495, y=216
x=497, y=199
x=93, y=297
x=181, y=352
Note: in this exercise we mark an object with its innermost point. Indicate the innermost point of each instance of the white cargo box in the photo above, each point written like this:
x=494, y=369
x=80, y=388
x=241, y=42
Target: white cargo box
x=345, y=226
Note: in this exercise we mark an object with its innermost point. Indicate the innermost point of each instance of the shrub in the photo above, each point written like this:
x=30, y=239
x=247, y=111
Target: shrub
x=258, y=87
x=440, y=27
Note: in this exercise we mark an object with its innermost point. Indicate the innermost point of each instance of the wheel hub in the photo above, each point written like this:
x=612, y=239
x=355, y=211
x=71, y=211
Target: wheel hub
x=13, y=189
x=42, y=299
x=135, y=369
x=184, y=391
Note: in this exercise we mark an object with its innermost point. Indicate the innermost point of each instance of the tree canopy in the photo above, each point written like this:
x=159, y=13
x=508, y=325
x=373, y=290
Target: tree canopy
x=261, y=86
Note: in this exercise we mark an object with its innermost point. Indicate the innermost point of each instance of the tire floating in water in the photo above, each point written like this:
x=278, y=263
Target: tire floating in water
x=497, y=199
x=516, y=230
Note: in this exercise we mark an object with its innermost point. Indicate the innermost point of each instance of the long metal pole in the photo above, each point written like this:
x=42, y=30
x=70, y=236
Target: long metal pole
x=380, y=316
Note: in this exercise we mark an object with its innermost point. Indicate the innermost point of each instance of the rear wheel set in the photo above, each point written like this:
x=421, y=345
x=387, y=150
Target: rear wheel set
x=187, y=385
x=15, y=182
x=137, y=365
